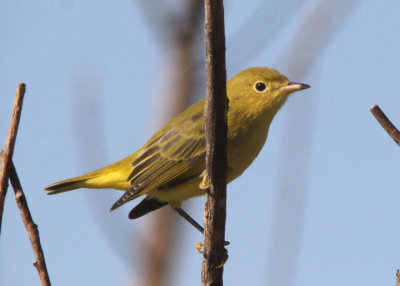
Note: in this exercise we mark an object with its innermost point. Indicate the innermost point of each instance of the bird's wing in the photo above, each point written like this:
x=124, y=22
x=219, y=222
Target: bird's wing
x=169, y=154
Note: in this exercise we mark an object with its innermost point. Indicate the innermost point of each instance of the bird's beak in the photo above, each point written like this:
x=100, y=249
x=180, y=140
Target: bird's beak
x=293, y=86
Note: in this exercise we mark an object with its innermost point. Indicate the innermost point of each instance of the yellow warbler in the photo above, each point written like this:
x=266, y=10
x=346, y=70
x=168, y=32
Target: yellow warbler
x=169, y=168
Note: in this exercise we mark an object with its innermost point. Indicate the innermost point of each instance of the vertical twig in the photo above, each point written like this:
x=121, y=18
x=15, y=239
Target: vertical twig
x=30, y=226
x=9, y=147
x=216, y=141
x=386, y=123
x=398, y=277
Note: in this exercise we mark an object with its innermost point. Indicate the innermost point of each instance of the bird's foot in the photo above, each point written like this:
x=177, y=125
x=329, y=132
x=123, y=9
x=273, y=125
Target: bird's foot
x=199, y=246
x=224, y=259
x=204, y=184
x=200, y=249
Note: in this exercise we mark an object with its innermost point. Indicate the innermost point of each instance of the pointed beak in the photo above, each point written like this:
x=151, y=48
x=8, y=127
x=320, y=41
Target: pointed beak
x=293, y=86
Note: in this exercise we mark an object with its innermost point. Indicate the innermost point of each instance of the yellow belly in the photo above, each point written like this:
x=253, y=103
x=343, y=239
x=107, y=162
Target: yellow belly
x=179, y=193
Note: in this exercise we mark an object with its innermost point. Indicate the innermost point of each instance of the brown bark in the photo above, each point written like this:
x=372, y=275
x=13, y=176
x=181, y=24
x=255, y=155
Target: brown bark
x=30, y=226
x=386, y=123
x=216, y=141
x=9, y=147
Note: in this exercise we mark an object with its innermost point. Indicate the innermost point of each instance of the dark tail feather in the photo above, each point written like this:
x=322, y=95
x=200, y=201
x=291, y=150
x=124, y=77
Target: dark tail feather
x=146, y=206
x=65, y=186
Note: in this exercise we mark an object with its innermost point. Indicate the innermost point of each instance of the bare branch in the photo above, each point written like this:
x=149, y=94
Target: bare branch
x=9, y=147
x=386, y=123
x=30, y=226
x=216, y=141
x=398, y=277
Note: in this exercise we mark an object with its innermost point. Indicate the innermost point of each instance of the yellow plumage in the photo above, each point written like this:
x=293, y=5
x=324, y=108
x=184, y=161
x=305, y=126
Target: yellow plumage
x=169, y=167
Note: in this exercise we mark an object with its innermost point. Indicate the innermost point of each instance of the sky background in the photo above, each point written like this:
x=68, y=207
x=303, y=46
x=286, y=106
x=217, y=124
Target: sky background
x=337, y=220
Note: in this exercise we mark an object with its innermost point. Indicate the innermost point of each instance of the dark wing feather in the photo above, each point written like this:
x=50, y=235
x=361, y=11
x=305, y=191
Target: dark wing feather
x=168, y=155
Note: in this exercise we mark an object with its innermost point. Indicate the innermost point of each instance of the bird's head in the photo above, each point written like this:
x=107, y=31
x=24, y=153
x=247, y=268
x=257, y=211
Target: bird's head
x=260, y=89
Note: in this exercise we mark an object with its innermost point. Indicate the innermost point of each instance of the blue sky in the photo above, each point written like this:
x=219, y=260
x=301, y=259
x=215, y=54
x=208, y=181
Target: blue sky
x=345, y=218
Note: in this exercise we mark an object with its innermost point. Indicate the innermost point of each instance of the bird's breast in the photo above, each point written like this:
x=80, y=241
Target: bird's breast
x=245, y=145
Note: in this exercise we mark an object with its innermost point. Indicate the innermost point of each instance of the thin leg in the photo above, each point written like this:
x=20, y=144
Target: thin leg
x=186, y=216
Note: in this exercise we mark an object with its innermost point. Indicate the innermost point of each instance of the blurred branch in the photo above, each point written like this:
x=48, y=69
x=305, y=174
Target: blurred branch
x=88, y=123
x=317, y=28
x=156, y=13
x=216, y=141
x=272, y=14
x=179, y=79
x=162, y=18
x=386, y=123
x=158, y=252
x=398, y=277
x=9, y=147
x=30, y=226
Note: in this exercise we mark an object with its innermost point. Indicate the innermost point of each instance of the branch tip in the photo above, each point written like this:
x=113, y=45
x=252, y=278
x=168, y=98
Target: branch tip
x=386, y=123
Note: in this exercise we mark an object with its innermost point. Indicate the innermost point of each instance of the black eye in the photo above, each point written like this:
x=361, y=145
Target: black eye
x=260, y=86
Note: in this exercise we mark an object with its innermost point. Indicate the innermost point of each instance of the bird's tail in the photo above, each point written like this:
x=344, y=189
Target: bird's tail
x=113, y=176
x=69, y=184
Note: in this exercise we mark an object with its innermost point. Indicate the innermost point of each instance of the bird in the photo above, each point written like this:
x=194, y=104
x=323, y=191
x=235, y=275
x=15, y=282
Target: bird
x=170, y=167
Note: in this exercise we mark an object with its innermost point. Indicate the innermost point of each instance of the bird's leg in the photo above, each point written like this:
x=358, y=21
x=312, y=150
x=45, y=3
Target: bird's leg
x=187, y=217
x=199, y=245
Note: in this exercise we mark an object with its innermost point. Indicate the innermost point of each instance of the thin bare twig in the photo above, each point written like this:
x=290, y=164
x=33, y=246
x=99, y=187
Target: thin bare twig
x=216, y=141
x=30, y=226
x=9, y=147
x=398, y=277
x=386, y=123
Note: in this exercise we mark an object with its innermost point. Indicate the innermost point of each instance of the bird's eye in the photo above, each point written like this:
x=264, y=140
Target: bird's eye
x=260, y=86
